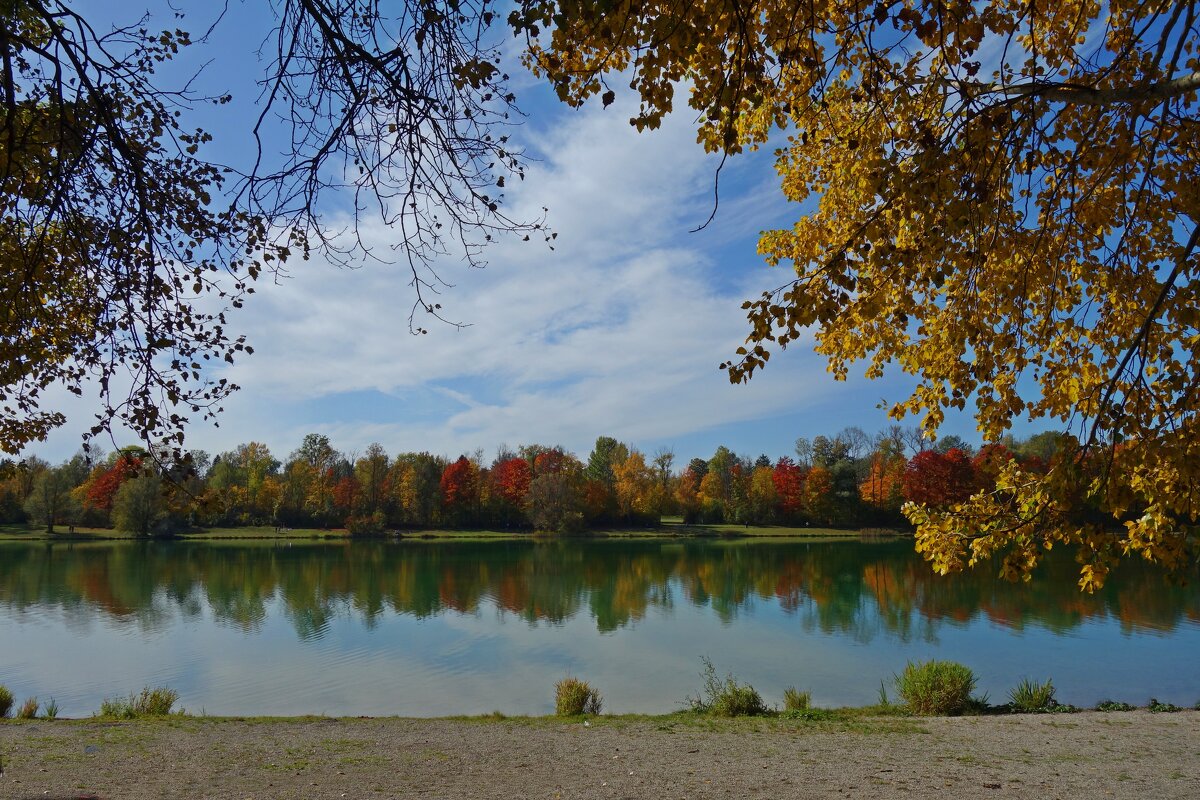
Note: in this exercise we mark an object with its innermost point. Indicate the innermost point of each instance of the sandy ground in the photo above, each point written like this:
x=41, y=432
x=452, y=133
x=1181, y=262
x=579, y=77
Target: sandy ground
x=1132, y=754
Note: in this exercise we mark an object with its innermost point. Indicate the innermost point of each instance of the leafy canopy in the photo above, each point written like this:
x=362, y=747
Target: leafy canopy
x=999, y=198
x=125, y=247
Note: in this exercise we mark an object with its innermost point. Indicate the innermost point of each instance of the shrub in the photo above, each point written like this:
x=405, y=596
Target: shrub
x=6, y=701
x=573, y=697
x=727, y=698
x=150, y=703
x=1030, y=696
x=794, y=700
x=1157, y=707
x=936, y=688
x=1114, y=705
x=51, y=709
x=366, y=525
x=29, y=709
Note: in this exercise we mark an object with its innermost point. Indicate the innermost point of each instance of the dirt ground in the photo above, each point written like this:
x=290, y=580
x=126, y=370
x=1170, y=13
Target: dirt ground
x=1131, y=754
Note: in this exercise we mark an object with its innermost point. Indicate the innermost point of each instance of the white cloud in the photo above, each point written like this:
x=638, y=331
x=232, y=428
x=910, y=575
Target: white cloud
x=618, y=330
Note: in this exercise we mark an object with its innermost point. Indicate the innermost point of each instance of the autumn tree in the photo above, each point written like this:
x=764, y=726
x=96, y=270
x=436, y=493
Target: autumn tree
x=938, y=480
x=127, y=246
x=636, y=487
x=664, y=457
x=236, y=481
x=313, y=471
x=555, y=494
x=883, y=488
x=820, y=504
x=12, y=499
x=106, y=479
x=763, y=497
x=371, y=471
x=687, y=495
x=510, y=479
x=460, y=490
x=997, y=198
x=416, y=486
x=789, y=488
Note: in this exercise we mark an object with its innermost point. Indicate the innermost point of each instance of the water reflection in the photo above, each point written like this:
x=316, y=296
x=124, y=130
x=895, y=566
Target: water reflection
x=861, y=590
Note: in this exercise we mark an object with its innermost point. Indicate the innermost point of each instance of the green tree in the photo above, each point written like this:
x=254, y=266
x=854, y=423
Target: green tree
x=139, y=505
x=372, y=473
x=604, y=456
x=51, y=502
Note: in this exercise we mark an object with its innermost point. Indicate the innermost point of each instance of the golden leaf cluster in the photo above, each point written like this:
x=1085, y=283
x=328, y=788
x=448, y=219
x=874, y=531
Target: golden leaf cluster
x=999, y=198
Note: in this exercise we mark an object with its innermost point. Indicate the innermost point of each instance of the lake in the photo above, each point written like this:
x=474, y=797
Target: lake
x=427, y=628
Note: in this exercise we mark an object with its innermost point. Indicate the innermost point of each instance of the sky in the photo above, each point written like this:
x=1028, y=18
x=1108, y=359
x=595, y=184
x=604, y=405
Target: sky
x=618, y=331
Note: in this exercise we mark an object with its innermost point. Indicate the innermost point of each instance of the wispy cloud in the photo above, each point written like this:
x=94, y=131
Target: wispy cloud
x=617, y=330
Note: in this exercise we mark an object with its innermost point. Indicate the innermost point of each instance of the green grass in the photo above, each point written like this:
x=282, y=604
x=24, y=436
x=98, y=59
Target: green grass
x=936, y=688
x=671, y=527
x=573, y=697
x=1029, y=696
x=156, y=702
x=794, y=700
x=29, y=709
x=726, y=697
x=6, y=701
x=758, y=531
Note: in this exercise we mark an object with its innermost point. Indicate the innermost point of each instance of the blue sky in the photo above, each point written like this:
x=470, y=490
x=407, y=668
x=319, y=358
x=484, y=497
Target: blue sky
x=617, y=331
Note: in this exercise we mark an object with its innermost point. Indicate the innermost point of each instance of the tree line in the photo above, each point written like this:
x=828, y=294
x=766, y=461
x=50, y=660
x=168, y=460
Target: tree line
x=851, y=479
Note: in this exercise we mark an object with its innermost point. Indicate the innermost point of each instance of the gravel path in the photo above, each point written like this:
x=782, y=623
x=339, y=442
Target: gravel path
x=1132, y=754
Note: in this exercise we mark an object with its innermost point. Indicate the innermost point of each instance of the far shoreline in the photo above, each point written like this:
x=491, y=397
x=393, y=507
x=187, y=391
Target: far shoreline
x=668, y=530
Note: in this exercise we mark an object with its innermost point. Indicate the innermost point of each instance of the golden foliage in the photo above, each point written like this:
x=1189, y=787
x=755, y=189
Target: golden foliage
x=1001, y=199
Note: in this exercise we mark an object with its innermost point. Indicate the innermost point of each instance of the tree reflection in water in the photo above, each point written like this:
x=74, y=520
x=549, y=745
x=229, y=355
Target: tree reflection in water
x=849, y=588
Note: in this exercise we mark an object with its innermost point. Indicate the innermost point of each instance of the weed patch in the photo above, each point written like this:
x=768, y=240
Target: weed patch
x=1157, y=707
x=726, y=697
x=1114, y=705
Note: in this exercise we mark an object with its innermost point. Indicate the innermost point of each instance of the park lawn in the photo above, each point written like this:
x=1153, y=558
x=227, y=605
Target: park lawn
x=675, y=524
x=671, y=527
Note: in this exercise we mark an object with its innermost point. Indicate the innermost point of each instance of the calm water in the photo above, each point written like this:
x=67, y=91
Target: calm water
x=432, y=628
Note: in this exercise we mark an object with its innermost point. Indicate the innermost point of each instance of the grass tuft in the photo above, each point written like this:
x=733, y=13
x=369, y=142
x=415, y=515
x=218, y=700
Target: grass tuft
x=727, y=698
x=937, y=688
x=156, y=702
x=794, y=700
x=1032, y=697
x=573, y=697
x=50, y=711
x=29, y=709
x=6, y=701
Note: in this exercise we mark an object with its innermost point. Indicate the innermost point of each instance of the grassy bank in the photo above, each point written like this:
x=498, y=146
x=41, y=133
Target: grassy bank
x=670, y=528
